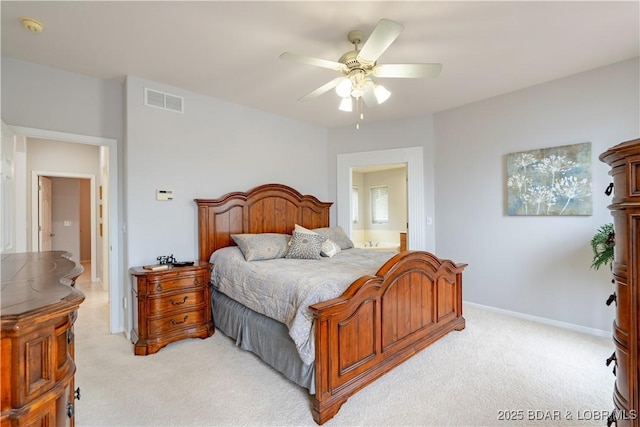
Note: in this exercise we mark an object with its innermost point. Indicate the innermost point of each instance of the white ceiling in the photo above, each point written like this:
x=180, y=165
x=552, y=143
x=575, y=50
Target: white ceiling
x=230, y=50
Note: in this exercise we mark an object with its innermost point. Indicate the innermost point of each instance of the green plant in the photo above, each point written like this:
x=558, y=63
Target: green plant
x=602, y=244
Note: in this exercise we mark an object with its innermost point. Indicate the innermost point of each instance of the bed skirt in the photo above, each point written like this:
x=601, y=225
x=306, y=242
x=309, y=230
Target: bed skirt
x=263, y=336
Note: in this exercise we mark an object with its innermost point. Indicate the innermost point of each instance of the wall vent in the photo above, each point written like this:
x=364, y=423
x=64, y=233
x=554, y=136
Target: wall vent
x=166, y=101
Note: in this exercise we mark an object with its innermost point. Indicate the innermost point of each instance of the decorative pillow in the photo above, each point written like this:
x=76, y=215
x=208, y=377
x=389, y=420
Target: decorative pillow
x=305, y=246
x=329, y=248
x=336, y=234
x=256, y=247
x=301, y=229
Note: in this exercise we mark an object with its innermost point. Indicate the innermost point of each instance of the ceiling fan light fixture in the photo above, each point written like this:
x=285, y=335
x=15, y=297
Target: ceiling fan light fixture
x=343, y=89
x=357, y=92
x=346, y=104
x=382, y=94
x=358, y=82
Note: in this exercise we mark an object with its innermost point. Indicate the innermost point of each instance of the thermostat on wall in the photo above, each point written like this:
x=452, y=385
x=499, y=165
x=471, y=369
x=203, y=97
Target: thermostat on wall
x=164, y=194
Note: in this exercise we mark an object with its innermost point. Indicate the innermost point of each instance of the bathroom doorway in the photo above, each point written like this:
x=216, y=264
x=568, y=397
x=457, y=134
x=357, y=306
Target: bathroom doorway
x=379, y=206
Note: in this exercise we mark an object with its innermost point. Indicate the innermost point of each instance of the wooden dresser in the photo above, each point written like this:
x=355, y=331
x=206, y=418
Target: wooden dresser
x=39, y=307
x=624, y=160
x=170, y=305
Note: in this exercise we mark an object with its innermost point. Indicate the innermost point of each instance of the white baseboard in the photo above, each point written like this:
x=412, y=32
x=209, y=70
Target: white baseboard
x=543, y=320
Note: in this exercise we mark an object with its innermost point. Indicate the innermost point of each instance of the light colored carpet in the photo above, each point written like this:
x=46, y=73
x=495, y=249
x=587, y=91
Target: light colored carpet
x=497, y=369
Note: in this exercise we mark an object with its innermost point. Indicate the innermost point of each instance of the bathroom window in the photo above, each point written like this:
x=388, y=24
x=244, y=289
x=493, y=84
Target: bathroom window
x=355, y=202
x=379, y=204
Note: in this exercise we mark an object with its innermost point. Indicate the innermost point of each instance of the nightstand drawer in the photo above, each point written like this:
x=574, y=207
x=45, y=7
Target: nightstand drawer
x=166, y=324
x=179, y=282
x=175, y=302
x=170, y=305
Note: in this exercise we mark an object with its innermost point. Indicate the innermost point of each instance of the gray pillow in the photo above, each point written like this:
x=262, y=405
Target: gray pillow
x=335, y=234
x=305, y=246
x=256, y=247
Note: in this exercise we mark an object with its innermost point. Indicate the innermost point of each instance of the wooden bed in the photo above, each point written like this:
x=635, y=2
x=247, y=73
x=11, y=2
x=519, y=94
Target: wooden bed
x=377, y=323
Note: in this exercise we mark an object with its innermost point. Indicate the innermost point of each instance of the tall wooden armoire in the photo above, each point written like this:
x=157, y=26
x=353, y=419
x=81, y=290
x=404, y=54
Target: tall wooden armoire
x=624, y=160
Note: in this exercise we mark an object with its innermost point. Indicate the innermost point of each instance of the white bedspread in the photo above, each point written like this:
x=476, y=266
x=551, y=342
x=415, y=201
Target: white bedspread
x=283, y=289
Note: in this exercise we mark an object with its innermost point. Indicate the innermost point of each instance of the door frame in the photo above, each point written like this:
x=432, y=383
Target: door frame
x=112, y=245
x=42, y=213
x=414, y=159
x=35, y=212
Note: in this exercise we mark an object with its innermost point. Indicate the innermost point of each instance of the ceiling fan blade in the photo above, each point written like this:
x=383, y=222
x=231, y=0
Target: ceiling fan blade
x=380, y=39
x=322, y=89
x=407, y=70
x=332, y=65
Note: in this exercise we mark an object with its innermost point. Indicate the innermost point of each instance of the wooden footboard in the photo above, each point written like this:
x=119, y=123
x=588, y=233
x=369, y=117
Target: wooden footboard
x=380, y=321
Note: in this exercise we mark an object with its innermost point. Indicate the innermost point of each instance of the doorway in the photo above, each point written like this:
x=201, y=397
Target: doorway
x=64, y=218
x=111, y=253
x=379, y=205
x=414, y=159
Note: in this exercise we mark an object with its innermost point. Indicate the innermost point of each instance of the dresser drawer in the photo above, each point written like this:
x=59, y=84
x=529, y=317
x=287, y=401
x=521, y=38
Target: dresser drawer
x=157, y=286
x=176, y=301
x=178, y=321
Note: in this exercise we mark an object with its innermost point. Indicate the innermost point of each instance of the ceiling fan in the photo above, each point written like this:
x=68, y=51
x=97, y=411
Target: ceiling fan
x=360, y=64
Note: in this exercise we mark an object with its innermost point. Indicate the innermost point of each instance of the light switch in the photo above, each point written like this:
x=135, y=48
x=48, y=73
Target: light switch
x=67, y=223
x=164, y=194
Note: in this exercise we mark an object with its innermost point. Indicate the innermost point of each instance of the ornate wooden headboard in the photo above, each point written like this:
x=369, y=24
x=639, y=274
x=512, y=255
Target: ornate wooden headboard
x=269, y=208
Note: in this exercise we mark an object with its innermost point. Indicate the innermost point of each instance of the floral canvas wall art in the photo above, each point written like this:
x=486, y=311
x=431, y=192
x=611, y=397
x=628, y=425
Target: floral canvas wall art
x=550, y=181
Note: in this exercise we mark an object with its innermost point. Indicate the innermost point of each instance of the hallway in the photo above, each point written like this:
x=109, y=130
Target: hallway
x=93, y=315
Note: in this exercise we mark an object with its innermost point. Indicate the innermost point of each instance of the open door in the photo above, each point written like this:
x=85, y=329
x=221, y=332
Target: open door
x=45, y=228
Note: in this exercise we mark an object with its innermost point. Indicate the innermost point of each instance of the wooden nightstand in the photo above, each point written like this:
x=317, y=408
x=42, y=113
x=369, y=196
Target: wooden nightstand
x=170, y=305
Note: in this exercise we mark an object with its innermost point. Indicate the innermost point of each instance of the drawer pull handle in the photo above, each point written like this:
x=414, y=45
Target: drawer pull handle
x=613, y=358
x=179, y=302
x=611, y=298
x=175, y=322
x=197, y=282
x=609, y=189
x=76, y=394
x=159, y=288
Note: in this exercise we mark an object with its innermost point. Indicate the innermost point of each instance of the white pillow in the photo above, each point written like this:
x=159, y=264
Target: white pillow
x=301, y=229
x=329, y=248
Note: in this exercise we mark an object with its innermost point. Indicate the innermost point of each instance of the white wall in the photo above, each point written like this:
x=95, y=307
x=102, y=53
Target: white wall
x=214, y=147
x=538, y=266
x=42, y=97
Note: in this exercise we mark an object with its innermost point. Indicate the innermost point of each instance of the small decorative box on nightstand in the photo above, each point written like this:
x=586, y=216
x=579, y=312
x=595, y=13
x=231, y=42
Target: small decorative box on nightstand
x=170, y=305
